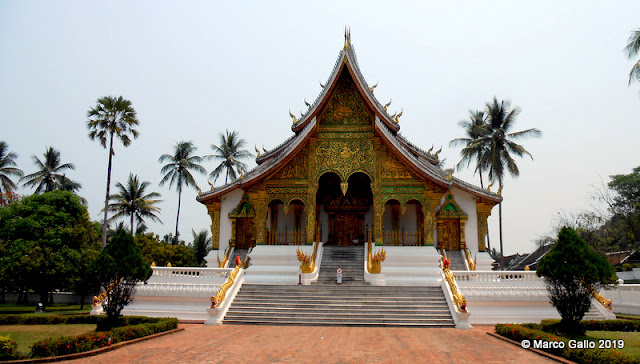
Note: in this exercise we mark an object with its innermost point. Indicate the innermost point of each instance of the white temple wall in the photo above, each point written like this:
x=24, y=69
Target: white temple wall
x=467, y=202
x=229, y=202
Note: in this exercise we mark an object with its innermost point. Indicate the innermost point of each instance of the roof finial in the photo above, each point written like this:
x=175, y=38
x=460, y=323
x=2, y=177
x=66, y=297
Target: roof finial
x=321, y=85
x=347, y=37
x=387, y=105
x=257, y=151
x=306, y=103
x=373, y=87
x=395, y=119
x=295, y=120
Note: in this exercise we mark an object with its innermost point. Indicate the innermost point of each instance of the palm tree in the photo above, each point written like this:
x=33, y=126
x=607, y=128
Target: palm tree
x=230, y=154
x=201, y=244
x=499, y=147
x=632, y=48
x=474, y=128
x=7, y=169
x=178, y=171
x=131, y=201
x=48, y=177
x=111, y=117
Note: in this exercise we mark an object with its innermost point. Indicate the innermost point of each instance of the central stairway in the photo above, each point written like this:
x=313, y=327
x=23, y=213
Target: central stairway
x=354, y=303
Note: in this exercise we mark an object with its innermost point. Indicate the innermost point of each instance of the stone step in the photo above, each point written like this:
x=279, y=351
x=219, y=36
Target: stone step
x=333, y=310
x=417, y=323
x=337, y=318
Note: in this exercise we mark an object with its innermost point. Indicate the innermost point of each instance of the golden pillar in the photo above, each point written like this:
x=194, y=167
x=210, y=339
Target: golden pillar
x=378, y=204
x=261, y=218
x=440, y=234
x=312, y=181
x=463, y=239
x=483, y=211
x=214, y=213
x=430, y=208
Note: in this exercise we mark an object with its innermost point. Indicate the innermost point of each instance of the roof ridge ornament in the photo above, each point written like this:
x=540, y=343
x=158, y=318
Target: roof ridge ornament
x=387, y=104
x=395, y=119
x=438, y=152
x=373, y=87
x=295, y=120
x=347, y=38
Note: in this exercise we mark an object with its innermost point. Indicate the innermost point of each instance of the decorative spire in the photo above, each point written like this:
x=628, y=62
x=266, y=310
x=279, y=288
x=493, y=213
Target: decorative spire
x=321, y=85
x=373, y=87
x=347, y=37
x=395, y=119
x=306, y=103
x=438, y=152
x=257, y=151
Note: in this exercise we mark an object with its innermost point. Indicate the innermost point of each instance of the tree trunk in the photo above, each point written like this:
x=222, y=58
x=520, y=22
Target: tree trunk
x=175, y=241
x=82, y=297
x=106, y=200
x=501, y=250
x=132, y=215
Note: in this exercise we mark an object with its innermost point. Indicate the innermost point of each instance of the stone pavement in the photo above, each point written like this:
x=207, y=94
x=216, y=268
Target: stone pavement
x=319, y=344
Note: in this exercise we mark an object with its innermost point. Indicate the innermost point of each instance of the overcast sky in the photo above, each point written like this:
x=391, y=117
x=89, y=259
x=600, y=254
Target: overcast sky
x=193, y=69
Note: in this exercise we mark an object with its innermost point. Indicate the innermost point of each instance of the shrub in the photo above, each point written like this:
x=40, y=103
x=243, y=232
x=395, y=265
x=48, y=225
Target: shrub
x=528, y=332
x=9, y=349
x=96, y=340
x=594, y=325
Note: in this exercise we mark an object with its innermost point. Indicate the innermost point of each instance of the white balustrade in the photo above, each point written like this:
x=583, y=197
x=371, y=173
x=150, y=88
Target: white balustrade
x=501, y=276
x=190, y=273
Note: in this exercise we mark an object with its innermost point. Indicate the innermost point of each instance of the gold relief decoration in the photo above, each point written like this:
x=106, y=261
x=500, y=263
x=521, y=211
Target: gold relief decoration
x=244, y=209
x=344, y=157
x=346, y=135
x=296, y=168
x=345, y=107
x=214, y=213
x=483, y=211
x=450, y=208
x=344, y=186
x=392, y=168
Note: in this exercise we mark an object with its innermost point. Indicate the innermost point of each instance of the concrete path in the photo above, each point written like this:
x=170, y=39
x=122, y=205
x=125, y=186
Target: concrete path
x=320, y=344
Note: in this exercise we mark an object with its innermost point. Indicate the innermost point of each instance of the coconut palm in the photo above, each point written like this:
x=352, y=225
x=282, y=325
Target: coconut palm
x=111, y=118
x=474, y=128
x=201, y=244
x=632, y=49
x=8, y=169
x=499, y=147
x=48, y=177
x=230, y=154
x=178, y=171
x=133, y=202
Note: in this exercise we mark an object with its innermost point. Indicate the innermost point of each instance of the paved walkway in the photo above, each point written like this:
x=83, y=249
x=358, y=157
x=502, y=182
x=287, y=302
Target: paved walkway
x=320, y=344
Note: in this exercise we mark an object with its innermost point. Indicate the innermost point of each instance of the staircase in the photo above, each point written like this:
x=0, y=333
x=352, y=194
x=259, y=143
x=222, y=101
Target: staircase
x=456, y=260
x=345, y=305
x=349, y=258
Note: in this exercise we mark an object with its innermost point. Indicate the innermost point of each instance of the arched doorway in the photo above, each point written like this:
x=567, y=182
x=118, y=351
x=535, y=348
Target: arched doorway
x=451, y=220
x=345, y=212
x=242, y=224
x=286, y=224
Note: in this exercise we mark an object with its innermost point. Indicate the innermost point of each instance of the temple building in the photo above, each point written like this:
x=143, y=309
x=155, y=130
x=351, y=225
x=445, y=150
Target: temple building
x=346, y=174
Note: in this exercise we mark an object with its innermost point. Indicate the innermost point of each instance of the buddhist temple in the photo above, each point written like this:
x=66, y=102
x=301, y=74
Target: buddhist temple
x=344, y=173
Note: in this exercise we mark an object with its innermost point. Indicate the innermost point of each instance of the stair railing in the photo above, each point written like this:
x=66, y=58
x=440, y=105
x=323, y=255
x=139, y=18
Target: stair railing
x=308, y=263
x=222, y=292
x=471, y=264
x=223, y=263
x=458, y=298
x=600, y=298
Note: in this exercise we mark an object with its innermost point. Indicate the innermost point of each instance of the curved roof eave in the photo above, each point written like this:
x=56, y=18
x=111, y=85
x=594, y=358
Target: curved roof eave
x=262, y=170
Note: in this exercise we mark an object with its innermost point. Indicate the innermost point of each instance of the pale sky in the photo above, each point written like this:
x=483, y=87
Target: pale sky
x=195, y=68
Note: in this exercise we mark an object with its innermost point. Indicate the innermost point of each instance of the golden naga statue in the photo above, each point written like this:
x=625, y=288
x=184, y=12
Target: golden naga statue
x=308, y=263
x=222, y=263
x=222, y=292
x=374, y=262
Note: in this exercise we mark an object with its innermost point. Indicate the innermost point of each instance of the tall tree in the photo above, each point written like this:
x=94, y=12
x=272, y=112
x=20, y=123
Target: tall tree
x=498, y=146
x=48, y=177
x=201, y=244
x=178, y=171
x=474, y=128
x=111, y=118
x=230, y=155
x=8, y=169
x=133, y=202
x=632, y=49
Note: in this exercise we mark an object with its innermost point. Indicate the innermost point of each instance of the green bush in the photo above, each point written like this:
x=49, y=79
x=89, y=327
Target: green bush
x=551, y=326
x=9, y=349
x=95, y=340
x=529, y=332
x=627, y=267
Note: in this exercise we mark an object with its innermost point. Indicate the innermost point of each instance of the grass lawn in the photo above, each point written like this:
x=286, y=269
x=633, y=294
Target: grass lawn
x=624, y=316
x=631, y=340
x=56, y=308
x=26, y=335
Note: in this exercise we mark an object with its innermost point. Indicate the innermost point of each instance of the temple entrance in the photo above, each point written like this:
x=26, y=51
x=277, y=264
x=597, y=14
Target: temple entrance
x=344, y=209
x=451, y=221
x=451, y=231
x=244, y=233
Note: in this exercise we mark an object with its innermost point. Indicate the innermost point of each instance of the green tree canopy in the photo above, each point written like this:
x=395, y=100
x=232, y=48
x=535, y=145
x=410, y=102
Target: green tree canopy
x=119, y=267
x=49, y=176
x=230, y=154
x=161, y=253
x=7, y=169
x=132, y=201
x=571, y=270
x=44, y=238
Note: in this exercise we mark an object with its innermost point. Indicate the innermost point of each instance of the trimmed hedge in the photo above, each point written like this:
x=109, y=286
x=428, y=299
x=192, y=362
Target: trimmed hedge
x=595, y=325
x=9, y=349
x=532, y=332
x=138, y=327
x=49, y=319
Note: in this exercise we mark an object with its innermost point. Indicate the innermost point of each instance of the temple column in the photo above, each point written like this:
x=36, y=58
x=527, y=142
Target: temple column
x=463, y=239
x=214, y=212
x=312, y=181
x=440, y=225
x=483, y=211
x=376, y=190
x=430, y=208
x=261, y=219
